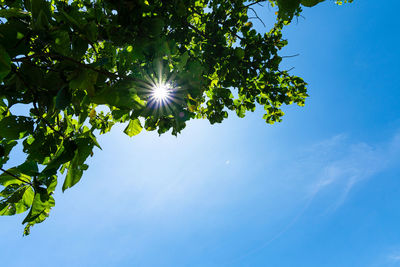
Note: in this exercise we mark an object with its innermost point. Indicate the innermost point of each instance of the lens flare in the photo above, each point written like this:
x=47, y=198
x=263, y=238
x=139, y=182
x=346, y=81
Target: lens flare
x=161, y=92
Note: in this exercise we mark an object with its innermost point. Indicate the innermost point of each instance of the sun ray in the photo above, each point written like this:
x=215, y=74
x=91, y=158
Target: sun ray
x=162, y=92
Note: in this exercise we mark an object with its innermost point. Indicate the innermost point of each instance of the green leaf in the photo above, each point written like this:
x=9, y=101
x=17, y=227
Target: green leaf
x=15, y=127
x=17, y=200
x=134, y=128
x=29, y=168
x=38, y=6
x=84, y=80
x=63, y=99
x=183, y=60
x=91, y=31
x=310, y=3
x=9, y=177
x=62, y=43
x=64, y=154
x=41, y=205
x=5, y=63
x=5, y=148
x=155, y=27
x=71, y=19
x=42, y=21
x=239, y=52
x=79, y=47
x=74, y=173
x=76, y=167
x=121, y=95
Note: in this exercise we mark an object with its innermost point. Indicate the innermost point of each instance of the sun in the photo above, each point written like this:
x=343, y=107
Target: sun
x=161, y=92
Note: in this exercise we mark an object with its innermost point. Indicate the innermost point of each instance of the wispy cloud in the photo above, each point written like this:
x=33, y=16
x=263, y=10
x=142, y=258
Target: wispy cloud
x=394, y=257
x=335, y=165
x=340, y=163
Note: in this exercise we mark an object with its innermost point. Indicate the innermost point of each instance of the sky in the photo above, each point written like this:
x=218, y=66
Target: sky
x=321, y=188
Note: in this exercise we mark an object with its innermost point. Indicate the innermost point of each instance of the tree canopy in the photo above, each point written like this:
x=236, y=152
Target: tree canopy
x=82, y=66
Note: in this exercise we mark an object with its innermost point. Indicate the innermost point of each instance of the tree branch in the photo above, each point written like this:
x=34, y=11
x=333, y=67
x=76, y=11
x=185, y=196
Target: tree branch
x=255, y=13
x=255, y=3
x=290, y=56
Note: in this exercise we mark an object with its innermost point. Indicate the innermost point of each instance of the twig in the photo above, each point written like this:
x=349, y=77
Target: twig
x=255, y=13
x=255, y=3
x=290, y=56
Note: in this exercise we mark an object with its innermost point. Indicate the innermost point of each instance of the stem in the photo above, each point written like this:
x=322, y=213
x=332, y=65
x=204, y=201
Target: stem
x=16, y=177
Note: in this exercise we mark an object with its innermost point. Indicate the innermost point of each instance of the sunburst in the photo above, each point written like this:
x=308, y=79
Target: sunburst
x=161, y=92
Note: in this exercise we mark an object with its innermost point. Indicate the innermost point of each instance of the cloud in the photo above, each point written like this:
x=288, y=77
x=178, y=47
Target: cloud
x=340, y=163
x=394, y=257
x=332, y=167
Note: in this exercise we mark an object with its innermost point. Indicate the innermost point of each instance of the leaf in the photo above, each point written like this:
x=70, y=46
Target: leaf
x=42, y=22
x=5, y=148
x=239, y=52
x=41, y=205
x=64, y=154
x=29, y=168
x=91, y=31
x=9, y=177
x=41, y=202
x=38, y=6
x=5, y=63
x=310, y=3
x=84, y=80
x=134, y=128
x=19, y=199
x=79, y=46
x=93, y=139
x=121, y=95
x=15, y=127
x=62, y=43
x=76, y=167
x=71, y=19
x=63, y=99
x=155, y=27
x=74, y=173
x=183, y=60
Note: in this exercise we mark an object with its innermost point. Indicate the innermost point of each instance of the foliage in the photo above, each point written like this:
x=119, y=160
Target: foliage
x=82, y=66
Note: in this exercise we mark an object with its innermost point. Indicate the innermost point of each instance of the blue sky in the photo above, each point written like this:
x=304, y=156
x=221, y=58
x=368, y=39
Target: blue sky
x=321, y=188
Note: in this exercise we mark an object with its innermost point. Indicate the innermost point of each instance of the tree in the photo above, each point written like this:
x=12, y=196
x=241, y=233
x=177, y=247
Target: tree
x=82, y=66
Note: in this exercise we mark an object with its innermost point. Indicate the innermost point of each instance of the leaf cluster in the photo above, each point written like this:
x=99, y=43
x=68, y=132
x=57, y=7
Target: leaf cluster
x=82, y=66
